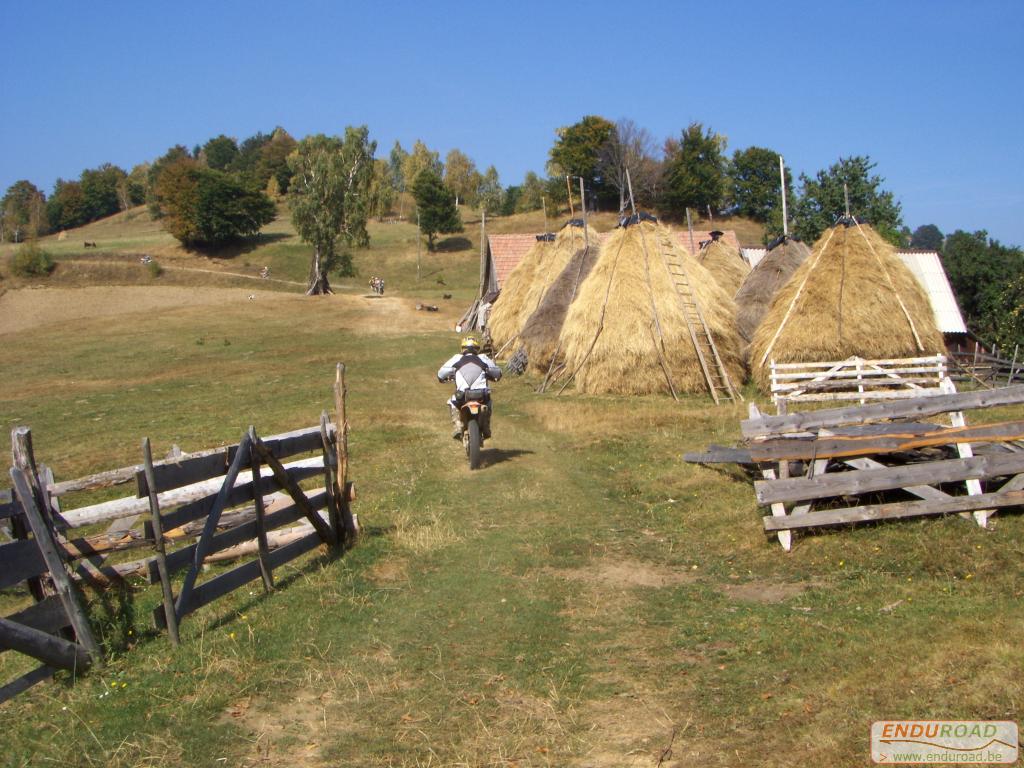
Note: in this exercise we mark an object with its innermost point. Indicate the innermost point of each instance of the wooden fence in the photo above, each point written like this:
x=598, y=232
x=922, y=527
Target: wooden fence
x=881, y=461
x=236, y=501
x=996, y=368
x=856, y=379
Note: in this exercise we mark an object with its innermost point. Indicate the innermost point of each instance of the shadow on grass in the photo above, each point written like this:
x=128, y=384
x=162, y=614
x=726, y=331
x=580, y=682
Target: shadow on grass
x=494, y=456
x=245, y=245
x=452, y=245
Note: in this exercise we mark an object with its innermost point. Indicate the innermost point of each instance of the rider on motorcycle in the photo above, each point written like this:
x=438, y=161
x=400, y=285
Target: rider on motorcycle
x=471, y=370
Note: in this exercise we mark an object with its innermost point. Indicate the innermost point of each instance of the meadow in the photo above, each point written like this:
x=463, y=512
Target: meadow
x=585, y=599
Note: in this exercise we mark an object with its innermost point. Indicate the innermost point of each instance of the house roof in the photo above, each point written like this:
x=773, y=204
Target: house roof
x=506, y=252
x=927, y=268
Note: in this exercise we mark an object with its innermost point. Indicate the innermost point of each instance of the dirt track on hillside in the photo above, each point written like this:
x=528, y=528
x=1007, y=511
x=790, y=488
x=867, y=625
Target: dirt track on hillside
x=29, y=308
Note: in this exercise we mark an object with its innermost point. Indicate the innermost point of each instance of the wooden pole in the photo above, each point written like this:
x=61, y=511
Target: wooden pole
x=544, y=205
x=568, y=187
x=55, y=564
x=782, y=184
x=846, y=198
x=689, y=227
x=419, y=244
x=158, y=541
x=1013, y=365
x=266, y=571
x=349, y=521
x=330, y=454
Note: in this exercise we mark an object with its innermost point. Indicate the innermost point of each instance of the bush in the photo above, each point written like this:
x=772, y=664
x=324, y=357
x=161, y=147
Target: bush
x=154, y=268
x=32, y=261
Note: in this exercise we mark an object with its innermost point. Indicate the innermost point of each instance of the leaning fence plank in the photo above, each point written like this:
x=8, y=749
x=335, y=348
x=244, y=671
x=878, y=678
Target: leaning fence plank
x=873, y=512
x=288, y=483
x=868, y=480
x=349, y=522
x=185, y=595
x=26, y=681
x=171, y=619
x=55, y=564
x=916, y=408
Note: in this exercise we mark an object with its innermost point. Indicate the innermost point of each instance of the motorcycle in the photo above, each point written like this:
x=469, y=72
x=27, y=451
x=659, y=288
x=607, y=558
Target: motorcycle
x=475, y=414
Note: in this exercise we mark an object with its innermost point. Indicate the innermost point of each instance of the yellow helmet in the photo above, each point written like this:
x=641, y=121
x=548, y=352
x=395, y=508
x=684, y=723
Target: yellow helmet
x=470, y=344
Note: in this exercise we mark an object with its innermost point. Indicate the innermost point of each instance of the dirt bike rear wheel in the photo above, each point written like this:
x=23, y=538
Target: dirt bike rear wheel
x=473, y=443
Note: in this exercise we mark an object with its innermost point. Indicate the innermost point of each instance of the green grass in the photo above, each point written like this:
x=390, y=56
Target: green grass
x=585, y=599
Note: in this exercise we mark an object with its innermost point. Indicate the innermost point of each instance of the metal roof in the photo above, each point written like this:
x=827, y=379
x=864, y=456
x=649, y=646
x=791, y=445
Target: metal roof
x=927, y=268
x=753, y=256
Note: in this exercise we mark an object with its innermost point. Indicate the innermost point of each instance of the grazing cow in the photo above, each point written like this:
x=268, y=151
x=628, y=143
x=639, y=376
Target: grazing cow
x=89, y=245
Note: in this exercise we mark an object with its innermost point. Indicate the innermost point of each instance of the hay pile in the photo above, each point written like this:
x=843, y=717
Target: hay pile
x=725, y=264
x=846, y=301
x=539, y=336
x=504, y=321
x=525, y=286
x=764, y=281
x=609, y=337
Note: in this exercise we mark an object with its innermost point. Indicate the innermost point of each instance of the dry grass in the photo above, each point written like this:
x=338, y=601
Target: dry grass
x=850, y=290
x=725, y=264
x=611, y=333
x=764, y=281
x=506, y=317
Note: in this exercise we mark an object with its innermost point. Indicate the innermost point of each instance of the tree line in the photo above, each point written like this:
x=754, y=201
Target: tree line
x=223, y=190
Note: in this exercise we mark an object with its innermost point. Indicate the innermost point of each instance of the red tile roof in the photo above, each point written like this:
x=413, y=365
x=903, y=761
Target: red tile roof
x=507, y=251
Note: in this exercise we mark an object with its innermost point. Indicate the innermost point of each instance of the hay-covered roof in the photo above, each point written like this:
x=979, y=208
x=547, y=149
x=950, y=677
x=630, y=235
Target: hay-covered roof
x=851, y=296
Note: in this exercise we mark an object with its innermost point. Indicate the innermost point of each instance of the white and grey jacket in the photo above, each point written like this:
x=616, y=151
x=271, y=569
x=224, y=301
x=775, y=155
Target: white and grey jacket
x=469, y=371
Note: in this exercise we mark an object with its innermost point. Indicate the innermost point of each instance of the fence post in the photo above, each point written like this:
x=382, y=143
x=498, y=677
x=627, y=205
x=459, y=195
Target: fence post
x=340, y=396
x=158, y=540
x=263, y=548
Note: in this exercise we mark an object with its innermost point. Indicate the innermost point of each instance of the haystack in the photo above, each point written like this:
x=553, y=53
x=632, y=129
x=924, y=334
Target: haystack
x=525, y=285
x=725, y=264
x=611, y=338
x=852, y=296
x=539, y=337
x=764, y=281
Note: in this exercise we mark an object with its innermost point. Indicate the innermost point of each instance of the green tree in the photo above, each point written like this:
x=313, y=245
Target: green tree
x=821, y=200
x=248, y=158
x=419, y=160
x=329, y=199
x=273, y=160
x=460, y=175
x=382, y=188
x=173, y=155
x=23, y=211
x=490, y=196
x=202, y=207
x=693, y=174
x=66, y=208
x=99, y=189
x=753, y=181
x=1009, y=331
x=981, y=272
x=927, y=237
x=397, y=162
x=220, y=152
x=531, y=194
x=577, y=152
x=435, y=206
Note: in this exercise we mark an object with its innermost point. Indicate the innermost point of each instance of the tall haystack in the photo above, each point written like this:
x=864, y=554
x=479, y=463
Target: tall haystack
x=754, y=297
x=539, y=337
x=525, y=285
x=725, y=264
x=852, y=296
x=504, y=320
x=626, y=332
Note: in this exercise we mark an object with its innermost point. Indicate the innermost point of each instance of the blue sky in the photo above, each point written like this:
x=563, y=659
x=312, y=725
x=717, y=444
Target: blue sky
x=930, y=90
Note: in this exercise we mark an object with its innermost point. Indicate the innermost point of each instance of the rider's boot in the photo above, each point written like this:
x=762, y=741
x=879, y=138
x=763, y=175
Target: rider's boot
x=456, y=424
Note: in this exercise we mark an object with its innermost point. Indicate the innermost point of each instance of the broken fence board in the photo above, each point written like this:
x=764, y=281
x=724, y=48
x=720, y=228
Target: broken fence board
x=872, y=512
x=869, y=480
x=26, y=681
x=716, y=454
x=765, y=426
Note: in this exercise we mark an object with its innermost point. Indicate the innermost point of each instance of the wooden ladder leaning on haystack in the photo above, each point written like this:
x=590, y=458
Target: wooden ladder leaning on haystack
x=717, y=378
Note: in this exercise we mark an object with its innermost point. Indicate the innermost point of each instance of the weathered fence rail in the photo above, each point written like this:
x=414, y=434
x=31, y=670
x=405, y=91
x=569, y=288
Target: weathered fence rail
x=856, y=379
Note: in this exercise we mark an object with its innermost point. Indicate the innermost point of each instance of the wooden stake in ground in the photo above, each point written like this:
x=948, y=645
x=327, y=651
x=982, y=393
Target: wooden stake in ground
x=158, y=542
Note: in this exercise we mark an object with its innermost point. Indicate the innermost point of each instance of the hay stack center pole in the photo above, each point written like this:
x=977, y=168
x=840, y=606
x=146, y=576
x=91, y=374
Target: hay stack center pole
x=689, y=227
x=782, y=183
x=419, y=244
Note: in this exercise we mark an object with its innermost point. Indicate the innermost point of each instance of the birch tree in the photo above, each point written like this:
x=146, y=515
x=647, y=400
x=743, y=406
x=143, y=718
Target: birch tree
x=329, y=199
